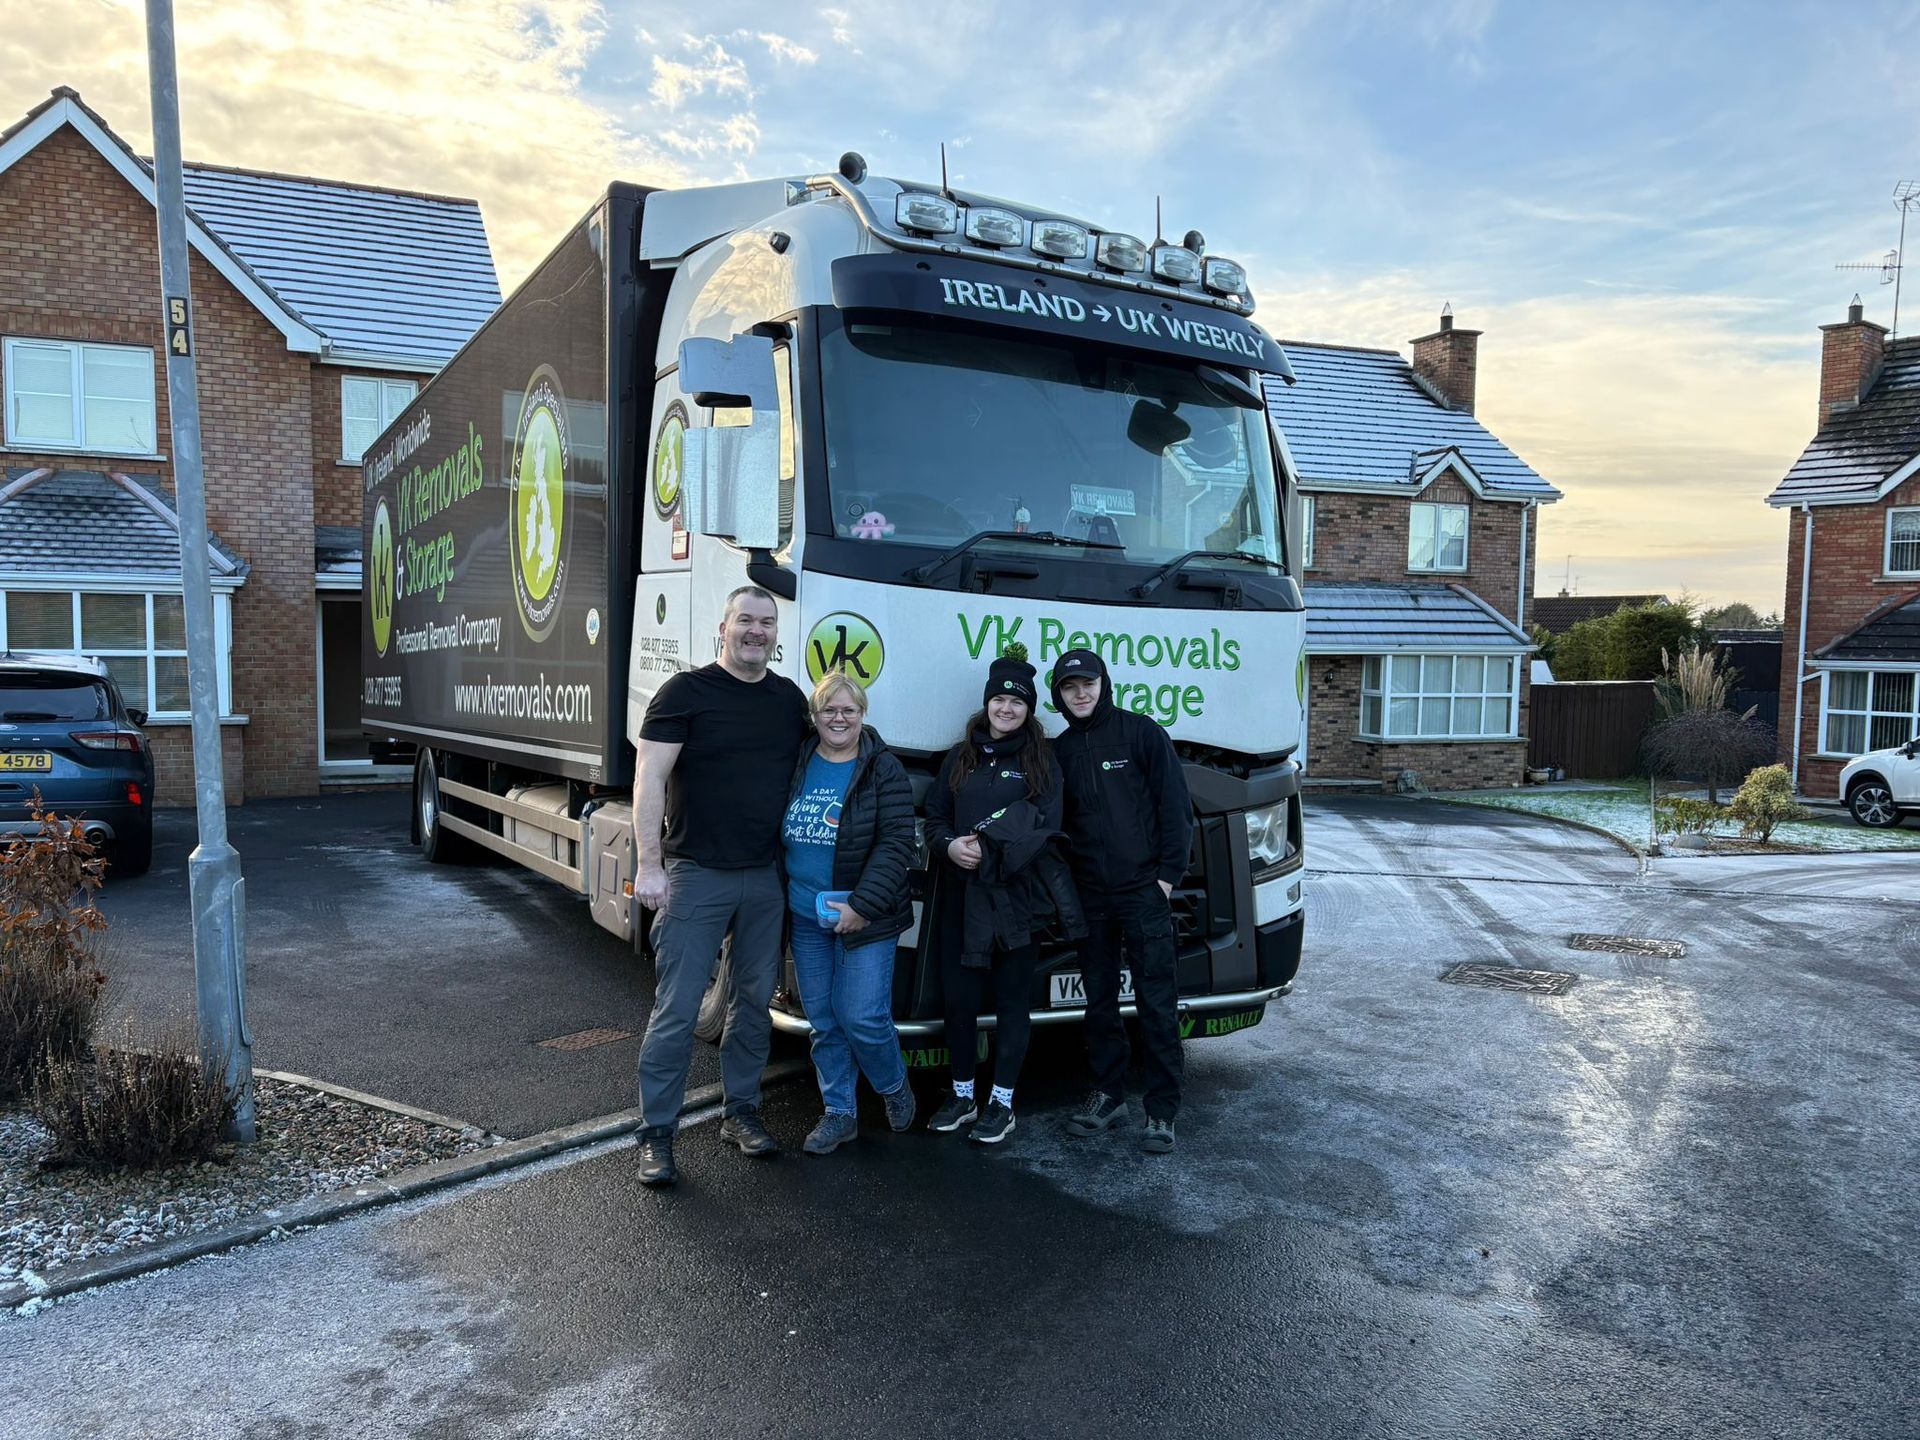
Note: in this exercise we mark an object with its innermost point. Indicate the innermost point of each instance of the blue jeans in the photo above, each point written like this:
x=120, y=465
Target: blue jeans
x=847, y=988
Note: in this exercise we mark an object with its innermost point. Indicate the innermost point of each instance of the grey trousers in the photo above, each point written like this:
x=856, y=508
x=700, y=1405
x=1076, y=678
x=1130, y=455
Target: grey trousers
x=702, y=906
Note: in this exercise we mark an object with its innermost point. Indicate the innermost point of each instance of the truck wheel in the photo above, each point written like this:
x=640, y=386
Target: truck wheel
x=713, y=1005
x=435, y=842
x=132, y=853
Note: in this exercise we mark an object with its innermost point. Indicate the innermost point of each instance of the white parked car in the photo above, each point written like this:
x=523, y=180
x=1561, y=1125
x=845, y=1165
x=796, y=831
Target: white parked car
x=1883, y=785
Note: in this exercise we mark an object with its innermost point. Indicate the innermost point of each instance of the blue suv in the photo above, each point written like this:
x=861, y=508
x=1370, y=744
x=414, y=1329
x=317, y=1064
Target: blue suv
x=65, y=732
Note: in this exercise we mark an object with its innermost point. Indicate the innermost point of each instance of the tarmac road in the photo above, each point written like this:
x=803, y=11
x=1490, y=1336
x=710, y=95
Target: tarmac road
x=1677, y=1200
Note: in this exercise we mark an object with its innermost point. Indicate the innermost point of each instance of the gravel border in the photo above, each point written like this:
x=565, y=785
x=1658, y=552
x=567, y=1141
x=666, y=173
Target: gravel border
x=29, y=1293
x=313, y=1139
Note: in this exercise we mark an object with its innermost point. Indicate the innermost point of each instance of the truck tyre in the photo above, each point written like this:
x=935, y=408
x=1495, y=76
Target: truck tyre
x=713, y=1005
x=132, y=852
x=438, y=845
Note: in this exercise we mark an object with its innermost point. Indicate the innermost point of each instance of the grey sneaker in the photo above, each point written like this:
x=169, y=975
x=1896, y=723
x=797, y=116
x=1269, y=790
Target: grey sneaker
x=833, y=1131
x=901, y=1106
x=1158, y=1137
x=1101, y=1112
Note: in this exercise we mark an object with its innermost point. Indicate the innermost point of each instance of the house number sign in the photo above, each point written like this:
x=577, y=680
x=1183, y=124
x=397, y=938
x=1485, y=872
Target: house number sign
x=179, y=326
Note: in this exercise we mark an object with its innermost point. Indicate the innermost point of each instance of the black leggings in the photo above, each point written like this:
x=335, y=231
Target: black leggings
x=1012, y=979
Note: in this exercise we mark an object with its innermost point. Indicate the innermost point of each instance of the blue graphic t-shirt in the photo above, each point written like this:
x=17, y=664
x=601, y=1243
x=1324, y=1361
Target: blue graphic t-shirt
x=811, y=828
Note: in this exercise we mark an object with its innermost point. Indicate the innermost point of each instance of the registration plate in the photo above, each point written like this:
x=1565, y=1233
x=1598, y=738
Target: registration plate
x=26, y=760
x=1070, y=990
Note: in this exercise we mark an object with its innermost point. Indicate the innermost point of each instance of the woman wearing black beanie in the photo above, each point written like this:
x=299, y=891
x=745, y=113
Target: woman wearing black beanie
x=993, y=818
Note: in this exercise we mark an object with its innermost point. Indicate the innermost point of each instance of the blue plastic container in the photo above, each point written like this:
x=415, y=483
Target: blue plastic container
x=823, y=904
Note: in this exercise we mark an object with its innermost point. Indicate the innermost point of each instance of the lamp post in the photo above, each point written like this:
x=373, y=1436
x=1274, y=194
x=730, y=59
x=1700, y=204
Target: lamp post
x=215, y=887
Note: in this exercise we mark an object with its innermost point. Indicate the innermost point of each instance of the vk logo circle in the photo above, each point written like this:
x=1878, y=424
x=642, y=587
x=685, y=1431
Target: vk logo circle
x=845, y=641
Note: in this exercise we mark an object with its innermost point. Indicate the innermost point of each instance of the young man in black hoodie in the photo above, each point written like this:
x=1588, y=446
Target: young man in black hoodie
x=1129, y=823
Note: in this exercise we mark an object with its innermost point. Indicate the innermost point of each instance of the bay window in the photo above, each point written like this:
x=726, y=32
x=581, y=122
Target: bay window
x=1438, y=697
x=1864, y=710
x=141, y=637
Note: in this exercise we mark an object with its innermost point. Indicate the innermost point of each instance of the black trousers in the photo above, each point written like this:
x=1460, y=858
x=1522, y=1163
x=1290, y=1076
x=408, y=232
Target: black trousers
x=1133, y=928
x=966, y=989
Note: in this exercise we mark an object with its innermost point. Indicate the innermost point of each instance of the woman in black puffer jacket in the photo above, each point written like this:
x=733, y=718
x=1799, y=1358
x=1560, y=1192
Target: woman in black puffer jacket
x=848, y=833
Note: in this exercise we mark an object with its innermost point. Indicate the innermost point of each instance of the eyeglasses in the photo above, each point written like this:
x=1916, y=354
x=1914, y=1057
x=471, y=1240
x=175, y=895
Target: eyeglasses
x=839, y=712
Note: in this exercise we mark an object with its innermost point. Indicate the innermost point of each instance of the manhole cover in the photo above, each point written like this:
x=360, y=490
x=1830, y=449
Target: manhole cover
x=1630, y=945
x=585, y=1039
x=1493, y=976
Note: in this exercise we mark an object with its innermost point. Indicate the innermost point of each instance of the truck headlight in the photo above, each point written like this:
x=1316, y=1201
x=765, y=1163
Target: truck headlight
x=995, y=227
x=1175, y=263
x=1060, y=238
x=929, y=214
x=1268, y=845
x=1223, y=277
x=1115, y=251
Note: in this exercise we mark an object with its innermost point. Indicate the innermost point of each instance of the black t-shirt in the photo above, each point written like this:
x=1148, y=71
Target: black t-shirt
x=739, y=743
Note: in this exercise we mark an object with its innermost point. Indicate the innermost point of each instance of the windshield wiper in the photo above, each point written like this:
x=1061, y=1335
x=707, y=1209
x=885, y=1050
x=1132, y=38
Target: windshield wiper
x=1166, y=572
x=920, y=574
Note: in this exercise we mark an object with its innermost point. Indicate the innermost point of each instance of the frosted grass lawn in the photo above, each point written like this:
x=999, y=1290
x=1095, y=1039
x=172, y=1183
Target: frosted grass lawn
x=1620, y=809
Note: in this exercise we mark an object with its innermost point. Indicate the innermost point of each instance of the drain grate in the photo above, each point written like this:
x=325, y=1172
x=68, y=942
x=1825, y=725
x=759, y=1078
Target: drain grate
x=585, y=1039
x=1630, y=945
x=1491, y=975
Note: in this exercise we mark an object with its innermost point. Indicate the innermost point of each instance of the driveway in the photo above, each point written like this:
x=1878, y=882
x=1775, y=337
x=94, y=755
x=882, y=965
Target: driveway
x=367, y=967
x=1676, y=1200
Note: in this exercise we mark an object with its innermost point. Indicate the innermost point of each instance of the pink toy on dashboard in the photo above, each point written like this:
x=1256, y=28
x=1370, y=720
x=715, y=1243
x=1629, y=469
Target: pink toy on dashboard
x=871, y=526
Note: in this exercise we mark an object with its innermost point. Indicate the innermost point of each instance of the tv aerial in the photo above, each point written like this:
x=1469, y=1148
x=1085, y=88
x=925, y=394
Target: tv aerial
x=1906, y=195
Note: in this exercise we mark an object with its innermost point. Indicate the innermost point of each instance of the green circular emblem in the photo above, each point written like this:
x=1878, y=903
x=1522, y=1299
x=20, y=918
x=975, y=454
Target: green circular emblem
x=380, y=578
x=669, y=453
x=848, y=642
x=538, y=502
x=660, y=608
x=1300, y=678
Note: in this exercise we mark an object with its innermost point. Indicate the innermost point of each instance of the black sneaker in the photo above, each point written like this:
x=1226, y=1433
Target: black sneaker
x=959, y=1110
x=995, y=1125
x=1157, y=1139
x=749, y=1132
x=656, y=1160
x=1101, y=1112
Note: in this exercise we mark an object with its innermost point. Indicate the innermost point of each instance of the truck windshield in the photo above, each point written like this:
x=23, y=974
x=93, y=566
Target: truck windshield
x=935, y=435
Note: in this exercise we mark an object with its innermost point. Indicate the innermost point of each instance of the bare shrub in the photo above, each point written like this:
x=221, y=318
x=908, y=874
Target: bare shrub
x=1714, y=747
x=50, y=978
x=132, y=1106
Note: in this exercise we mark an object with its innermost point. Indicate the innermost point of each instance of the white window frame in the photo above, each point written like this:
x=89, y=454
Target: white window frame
x=394, y=396
x=76, y=352
x=150, y=652
x=1911, y=570
x=1908, y=719
x=1377, y=684
x=1437, y=511
x=1309, y=518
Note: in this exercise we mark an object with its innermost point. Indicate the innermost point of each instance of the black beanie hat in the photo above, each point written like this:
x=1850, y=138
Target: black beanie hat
x=1009, y=676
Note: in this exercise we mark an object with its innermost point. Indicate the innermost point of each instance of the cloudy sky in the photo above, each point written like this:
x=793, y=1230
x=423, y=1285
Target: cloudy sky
x=1640, y=204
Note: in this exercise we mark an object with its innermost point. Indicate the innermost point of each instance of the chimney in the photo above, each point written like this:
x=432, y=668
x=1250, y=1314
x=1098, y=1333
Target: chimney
x=1849, y=360
x=1446, y=360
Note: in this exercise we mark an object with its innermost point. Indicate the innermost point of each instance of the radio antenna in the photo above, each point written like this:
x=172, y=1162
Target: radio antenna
x=1159, y=230
x=1906, y=195
x=945, y=189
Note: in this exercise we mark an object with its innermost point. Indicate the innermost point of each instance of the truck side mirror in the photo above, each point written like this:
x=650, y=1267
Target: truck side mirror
x=730, y=480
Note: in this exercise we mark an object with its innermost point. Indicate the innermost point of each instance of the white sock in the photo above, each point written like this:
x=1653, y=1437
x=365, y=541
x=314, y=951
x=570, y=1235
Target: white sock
x=964, y=1089
x=1003, y=1095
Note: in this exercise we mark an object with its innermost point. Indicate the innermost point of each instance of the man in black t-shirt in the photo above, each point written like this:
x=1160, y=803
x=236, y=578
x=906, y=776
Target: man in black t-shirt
x=716, y=755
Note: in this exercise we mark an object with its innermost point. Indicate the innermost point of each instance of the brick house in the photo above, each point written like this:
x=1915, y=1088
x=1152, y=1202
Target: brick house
x=1850, y=681
x=318, y=309
x=1419, y=538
